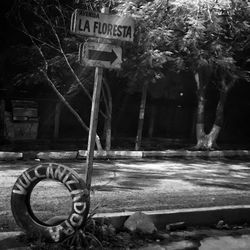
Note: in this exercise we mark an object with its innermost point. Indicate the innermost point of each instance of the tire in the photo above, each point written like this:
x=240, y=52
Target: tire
x=21, y=208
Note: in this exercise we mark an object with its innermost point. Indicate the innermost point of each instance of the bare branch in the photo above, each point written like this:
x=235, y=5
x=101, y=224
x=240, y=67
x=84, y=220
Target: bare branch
x=65, y=101
x=65, y=58
x=63, y=18
x=44, y=72
x=60, y=49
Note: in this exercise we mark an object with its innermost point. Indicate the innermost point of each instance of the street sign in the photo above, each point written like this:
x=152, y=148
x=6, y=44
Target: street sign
x=102, y=25
x=100, y=55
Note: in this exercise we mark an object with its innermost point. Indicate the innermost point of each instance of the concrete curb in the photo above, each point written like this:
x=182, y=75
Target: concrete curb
x=187, y=153
x=112, y=154
x=57, y=155
x=122, y=154
x=10, y=241
x=10, y=156
x=207, y=216
x=81, y=154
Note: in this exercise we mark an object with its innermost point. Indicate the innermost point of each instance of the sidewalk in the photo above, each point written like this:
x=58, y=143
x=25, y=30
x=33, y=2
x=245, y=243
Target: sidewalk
x=80, y=154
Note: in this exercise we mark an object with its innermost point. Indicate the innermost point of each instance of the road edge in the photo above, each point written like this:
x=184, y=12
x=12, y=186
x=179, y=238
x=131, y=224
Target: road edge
x=121, y=154
x=200, y=217
x=207, y=216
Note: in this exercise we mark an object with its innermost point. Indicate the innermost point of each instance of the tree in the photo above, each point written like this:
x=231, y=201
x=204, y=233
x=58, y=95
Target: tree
x=47, y=25
x=107, y=97
x=204, y=37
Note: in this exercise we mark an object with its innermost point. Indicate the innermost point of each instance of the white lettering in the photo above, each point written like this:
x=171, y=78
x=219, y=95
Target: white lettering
x=37, y=173
x=21, y=190
x=50, y=172
x=79, y=207
x=68, y=229
x=59, y=173
x=66, y=178
x=28, y=174
x=75, y=220
x=77, y=197
x=26, y=183
x=75, y=181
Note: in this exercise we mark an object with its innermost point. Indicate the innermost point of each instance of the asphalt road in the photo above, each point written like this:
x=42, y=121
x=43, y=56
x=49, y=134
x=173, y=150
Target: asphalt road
x=129, y=185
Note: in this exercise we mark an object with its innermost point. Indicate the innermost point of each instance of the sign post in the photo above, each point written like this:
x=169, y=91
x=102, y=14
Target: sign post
x=93, y=124
x=99, y=55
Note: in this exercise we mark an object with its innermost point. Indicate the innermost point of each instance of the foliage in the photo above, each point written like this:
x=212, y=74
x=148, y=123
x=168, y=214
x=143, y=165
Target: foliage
x=46, y=26
x=184, y=35
x=46, y=23
x=41, y=21
x=94, y=5
x=174, y=34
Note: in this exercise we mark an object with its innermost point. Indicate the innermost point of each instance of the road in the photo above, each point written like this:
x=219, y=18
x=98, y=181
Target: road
x=129, y=185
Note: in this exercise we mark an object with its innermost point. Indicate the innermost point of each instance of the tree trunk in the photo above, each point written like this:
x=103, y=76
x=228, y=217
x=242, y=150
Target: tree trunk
x=108, y=119
x=214, y=133
x=108, y=133
x=141, y=116
x=200, y=133
x=208, y=141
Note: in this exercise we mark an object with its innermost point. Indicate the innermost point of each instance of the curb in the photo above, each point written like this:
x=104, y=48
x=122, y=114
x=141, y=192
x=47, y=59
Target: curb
x=187, y=153
x=57, y=155
x=112, y=154
x=10, y=241
x=207, y=216
x=81, y=154
x=10, y=156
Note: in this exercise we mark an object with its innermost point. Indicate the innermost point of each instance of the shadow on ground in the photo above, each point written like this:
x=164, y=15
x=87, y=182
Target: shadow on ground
x=131, y=175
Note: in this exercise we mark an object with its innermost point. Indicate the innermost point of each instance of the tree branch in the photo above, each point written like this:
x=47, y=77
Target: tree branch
x=45, y=74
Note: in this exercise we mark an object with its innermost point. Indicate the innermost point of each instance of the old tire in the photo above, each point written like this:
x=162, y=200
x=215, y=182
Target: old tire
x=21, y=208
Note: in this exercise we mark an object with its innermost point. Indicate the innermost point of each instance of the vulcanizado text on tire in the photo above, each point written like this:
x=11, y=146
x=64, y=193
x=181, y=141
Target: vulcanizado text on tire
x=21, y=193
